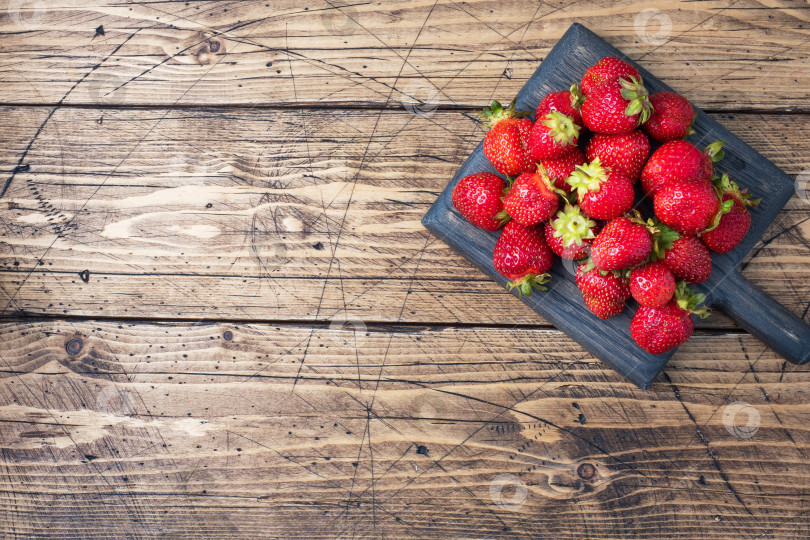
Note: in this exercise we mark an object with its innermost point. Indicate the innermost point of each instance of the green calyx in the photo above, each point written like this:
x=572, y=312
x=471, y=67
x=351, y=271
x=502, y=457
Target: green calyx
x=572, y=226
x=576, y=96
x=524, y=285
x=662, y=238
x=690, y=130
x=689, y=300
x=587, y=178
x=724, y=185
x=562, y=128
x=550, y=183
x=495, y=113
x=633, y=90
x=503, y=217
x=715, y=151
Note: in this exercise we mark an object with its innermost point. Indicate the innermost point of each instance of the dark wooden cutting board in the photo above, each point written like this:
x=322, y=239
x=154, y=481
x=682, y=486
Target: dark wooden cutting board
x=562, y=303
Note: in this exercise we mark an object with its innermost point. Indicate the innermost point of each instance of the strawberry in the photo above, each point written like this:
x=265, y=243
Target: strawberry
x=553, y=136
x=659, y=329
x=570, y=233
x=478, y=198
x=622, y=243
x=531, y=199
x=605, y=293
x=734, y=218
x=679, y=160
x=565, y=101
x=688, y=206
x=627, y=151
x=687, y=258
x=602, y=192
x=616, y=106
x=652, y=284
x=558, y=170
x=522, y=255
x=672, y=117
x=604, y=70
x=506, y=141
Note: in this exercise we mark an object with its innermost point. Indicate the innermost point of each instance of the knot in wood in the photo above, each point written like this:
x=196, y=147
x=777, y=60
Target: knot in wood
x=586, y=471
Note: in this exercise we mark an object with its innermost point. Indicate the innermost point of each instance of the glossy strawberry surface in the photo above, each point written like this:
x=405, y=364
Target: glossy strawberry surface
x=689, y=260
x=657, y=330
x=628, y=151
x=622, y=243
x=688, y=206
x=530, y=200
x=506, y=146
x=671, y=118
x=605, y=69
x=731, y=230
x=652, y=284
x=478, y=198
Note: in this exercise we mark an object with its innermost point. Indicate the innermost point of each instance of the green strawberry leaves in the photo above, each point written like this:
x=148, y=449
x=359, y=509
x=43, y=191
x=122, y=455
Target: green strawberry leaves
x=633, y=90
x=562, y=128
x=689, y=300
x=524, y=285
x=495, y=113
x=587, y=178
x=573, y=226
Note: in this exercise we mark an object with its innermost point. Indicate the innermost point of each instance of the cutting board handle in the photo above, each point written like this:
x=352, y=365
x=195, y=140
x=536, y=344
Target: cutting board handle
x=765, y=318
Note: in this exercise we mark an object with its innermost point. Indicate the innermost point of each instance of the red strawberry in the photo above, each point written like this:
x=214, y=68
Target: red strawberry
x=604, y=70
x=671, y=119
x=734, y=218
x=560, y=169
x=688, y=206
x=605, y=293
x=602, y=192
x=616, y=106
x=679, y=160
x=652, y=285
x=622, y=243
x=553, y=136
x=478, y=198
x=570, y=233
x=687, y=258
x=659, y=329
x=505, y=144
x=522, y=255
x=565, y=101
x=627, y=151
x=530, y=199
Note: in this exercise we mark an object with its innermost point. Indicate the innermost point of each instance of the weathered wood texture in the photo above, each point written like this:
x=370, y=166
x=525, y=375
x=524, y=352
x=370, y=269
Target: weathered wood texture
x=724, y=54
x=443, y=402
x=281, y=431
x=281, y=215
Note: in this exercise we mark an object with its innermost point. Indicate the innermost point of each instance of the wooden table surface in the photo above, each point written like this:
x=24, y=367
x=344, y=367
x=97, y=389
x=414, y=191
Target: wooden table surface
x=221, y=317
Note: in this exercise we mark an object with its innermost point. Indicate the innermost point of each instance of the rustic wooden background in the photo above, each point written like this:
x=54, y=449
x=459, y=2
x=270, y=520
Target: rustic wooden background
x=221, y=317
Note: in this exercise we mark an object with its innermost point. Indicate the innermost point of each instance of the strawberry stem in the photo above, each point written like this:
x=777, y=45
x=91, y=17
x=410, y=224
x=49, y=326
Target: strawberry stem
x=715, y=151
x=690, y=301
x=572, y=226
x=587, y=178
x=633, y=90
x=528, y=282
x=495, y=113
x=562, y=128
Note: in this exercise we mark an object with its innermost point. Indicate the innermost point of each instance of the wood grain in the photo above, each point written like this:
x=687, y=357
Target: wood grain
x=722, y=54
x=233, y=430
x=252, y=214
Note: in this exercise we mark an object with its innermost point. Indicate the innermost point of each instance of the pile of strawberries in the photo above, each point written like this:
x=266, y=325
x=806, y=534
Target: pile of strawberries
x=559, y=200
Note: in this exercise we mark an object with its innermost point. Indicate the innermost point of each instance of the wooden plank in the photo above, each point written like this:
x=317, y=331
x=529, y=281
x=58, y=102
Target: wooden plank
x=722, y=54
x=236, y=430
x=189, y=214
